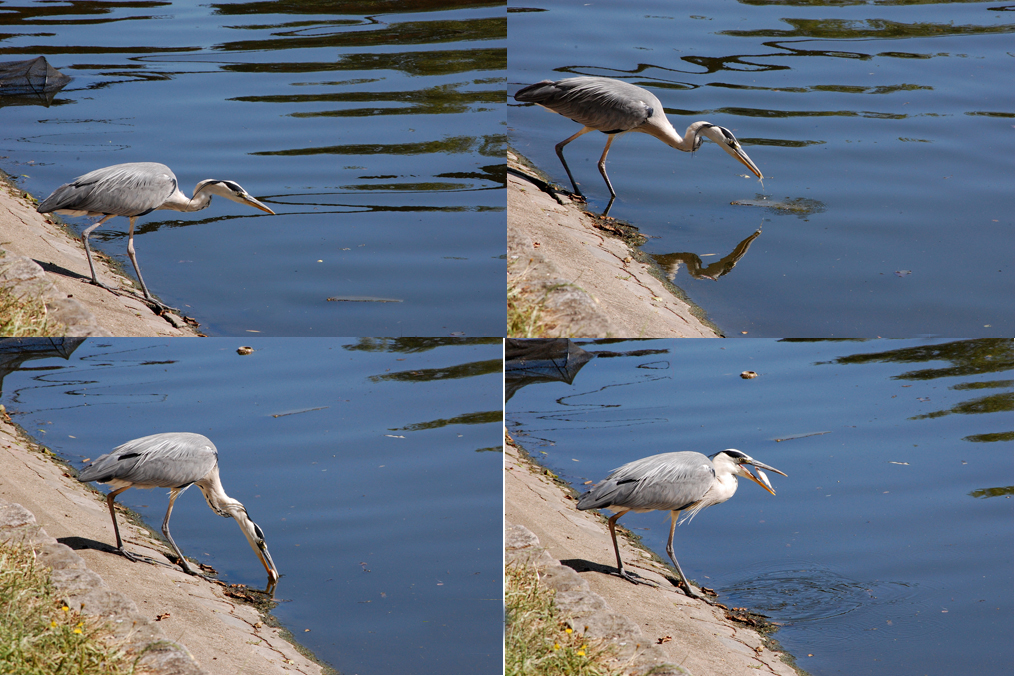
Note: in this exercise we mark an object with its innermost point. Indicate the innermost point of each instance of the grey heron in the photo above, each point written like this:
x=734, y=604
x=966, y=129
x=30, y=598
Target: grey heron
x=133, y=190
x=177, y=461
x=677, y=482
x=616, y=107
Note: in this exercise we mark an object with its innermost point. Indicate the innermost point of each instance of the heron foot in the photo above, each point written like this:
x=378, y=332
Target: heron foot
x=111, y=290
x=159, y=307
x=690, y=593
x=634, y=578
x=136, y=558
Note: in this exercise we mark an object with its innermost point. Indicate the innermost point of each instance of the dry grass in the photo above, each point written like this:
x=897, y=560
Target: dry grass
x=526, y=315
x=39, y=634
x=537, y=639
x=25, y=317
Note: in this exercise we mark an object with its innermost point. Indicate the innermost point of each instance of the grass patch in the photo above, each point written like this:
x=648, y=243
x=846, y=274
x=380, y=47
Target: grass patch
x=538, y=640
x=525, y=313
x=25, y=317
x=39, y=634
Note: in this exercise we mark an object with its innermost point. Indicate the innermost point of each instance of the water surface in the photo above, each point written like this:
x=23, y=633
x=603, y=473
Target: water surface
x=374, y=131
x=883, y=129
x=374, y=468
x=888, y=548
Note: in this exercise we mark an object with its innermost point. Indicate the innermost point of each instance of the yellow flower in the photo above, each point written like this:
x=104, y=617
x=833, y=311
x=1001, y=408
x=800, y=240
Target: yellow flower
x=65, y=609
x=52, y=623
x=77, y=630
x=556, y=646
x=580, y=653
x=568, y=630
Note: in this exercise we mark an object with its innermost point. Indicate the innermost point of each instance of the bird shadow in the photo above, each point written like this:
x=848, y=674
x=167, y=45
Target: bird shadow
x=79, y=543
x=62, y=271
x=584, y=566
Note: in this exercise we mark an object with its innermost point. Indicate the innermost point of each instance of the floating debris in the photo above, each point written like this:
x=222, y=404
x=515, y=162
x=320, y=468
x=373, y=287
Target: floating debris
x=363, y=299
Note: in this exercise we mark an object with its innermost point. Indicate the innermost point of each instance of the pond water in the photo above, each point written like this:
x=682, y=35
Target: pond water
x=883, y=129
x=375, y=131
x=887, y=549
x=374, y=468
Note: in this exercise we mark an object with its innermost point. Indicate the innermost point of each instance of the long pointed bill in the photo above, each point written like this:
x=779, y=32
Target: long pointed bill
x=728, y=142
x=762, y=478
x=255, y=536
x=250, y=201
x=269, y=565
x=743, y=158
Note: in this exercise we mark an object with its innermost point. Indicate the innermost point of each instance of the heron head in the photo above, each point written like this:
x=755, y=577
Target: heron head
x=255, y=536
x=739, y=461
x=230, y=190
x=725, y=139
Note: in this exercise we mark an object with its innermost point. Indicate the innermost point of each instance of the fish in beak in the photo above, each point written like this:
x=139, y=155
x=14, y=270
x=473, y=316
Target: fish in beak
x=762, y=478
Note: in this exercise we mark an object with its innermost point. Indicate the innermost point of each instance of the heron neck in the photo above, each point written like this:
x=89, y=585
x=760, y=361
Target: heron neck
x=665, y=132
x=220, y=503
x=180, y=202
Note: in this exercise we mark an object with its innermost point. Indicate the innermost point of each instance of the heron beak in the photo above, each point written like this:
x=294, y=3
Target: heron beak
x=742, y=156
x=250, y=201
x=269, y=565
x=724, y=138
x=763, y=480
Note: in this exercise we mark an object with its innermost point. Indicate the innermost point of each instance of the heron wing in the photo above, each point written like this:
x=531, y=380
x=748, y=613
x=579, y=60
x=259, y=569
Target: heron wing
x=168, y=460
x=132, y=189
x=601, y=103
x=669, y=481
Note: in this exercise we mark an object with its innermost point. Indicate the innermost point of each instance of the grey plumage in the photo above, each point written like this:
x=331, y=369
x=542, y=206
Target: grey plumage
x=616, y=107
x=167, y=460
x=133, y=190
x=669, y=481
x=174, y=460
x=607, y=105
x=677, y=482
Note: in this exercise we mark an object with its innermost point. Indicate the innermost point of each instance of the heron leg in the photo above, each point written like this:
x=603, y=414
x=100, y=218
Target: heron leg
x=88, y=252
x=602, y=169
x=684, y=584
x=173, y=494
x=158, y=305
x=116, y=529
x=630, y=577
x=560, y=153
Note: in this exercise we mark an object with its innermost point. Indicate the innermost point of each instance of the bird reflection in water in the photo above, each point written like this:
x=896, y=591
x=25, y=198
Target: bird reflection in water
x=671, y=262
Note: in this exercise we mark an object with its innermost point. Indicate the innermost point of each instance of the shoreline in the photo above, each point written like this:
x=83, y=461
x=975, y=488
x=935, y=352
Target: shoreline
x=693, y=635
x=40, y=256
x=586, y=271
x=223, y=633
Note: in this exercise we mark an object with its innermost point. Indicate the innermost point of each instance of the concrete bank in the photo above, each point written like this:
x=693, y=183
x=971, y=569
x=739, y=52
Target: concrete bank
x=221, y=634
x=655, y=630
x=41, y=257
x=593, y=283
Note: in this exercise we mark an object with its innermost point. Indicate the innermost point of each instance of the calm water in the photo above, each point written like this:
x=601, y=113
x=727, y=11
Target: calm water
x=374, y=468
x=884, y=129
x=888, y=548
x=377, y=138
